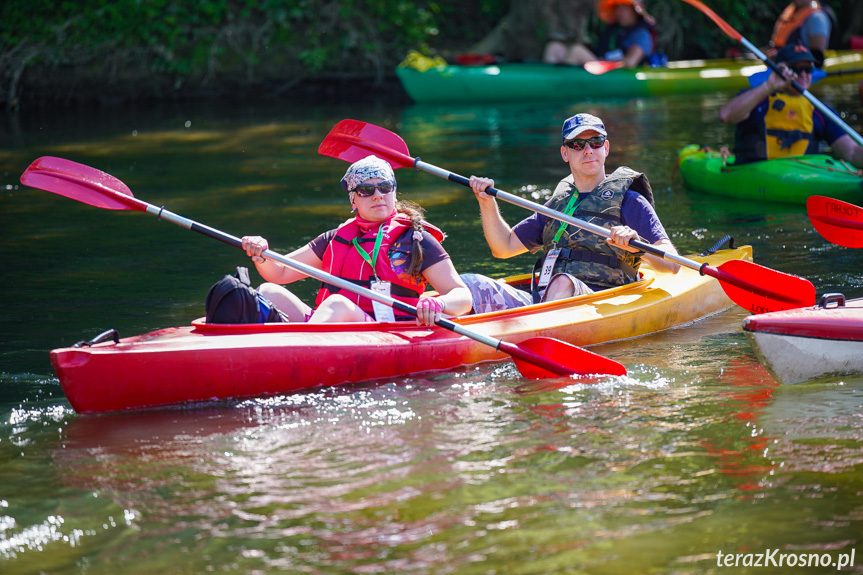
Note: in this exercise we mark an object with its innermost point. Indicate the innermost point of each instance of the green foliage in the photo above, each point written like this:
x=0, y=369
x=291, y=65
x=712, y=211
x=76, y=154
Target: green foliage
x=204, y=43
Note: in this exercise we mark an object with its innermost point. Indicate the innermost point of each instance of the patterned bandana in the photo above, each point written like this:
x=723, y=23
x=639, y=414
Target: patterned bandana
x=366, y=169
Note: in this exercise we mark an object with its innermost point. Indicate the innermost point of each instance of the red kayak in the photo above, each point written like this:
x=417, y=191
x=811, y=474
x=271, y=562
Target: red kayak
x=810, y=343
x=202, y=362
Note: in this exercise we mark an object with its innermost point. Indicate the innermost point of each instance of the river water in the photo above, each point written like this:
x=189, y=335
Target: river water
x=698, y=452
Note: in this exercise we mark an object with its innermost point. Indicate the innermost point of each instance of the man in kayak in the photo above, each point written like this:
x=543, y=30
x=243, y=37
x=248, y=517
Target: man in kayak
x=803, y=22
x=628, y=37
x=576, y=261
x=772, y=120
x=387, y=247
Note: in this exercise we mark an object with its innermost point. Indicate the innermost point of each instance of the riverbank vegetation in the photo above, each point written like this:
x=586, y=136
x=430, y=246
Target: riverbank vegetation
x=62, y=52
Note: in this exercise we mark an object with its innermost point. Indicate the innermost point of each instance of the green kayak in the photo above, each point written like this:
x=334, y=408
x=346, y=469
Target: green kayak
x=429, y=80
x=782, y=180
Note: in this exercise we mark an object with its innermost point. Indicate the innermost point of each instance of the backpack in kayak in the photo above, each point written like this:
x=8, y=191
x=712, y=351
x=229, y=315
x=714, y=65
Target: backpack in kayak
x=232, y=299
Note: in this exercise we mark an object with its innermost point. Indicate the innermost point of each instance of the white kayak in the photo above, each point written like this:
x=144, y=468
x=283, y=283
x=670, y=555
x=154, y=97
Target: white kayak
x=810, y=343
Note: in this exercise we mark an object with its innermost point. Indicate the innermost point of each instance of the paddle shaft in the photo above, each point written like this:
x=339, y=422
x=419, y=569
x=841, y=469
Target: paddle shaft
x=850, y=72
x=554, y=214
x=512, y=349
x=702, y=268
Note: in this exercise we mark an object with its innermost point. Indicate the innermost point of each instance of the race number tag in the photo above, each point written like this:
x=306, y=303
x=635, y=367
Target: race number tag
x=547, y=267
x=383, y=312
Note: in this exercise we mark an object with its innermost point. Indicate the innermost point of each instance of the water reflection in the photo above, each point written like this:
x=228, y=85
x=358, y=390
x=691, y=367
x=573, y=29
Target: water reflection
x=469, y=471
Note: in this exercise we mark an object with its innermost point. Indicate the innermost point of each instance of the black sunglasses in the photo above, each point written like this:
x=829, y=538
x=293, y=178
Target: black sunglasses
x=578, y=144
x=802, y=69
x=368, y=190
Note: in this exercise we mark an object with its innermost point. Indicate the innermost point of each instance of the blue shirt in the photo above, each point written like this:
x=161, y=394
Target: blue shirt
x=616, y=41
x=817, y=24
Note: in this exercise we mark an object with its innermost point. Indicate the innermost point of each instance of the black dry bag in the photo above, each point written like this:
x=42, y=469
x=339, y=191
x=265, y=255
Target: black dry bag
x=232, y=299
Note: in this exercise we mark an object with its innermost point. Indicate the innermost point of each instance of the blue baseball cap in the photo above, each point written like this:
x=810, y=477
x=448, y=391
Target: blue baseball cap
x=582, y=123
x=794, y=54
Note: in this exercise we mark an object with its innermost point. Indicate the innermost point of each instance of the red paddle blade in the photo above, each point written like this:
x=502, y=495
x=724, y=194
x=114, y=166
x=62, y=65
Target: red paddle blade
x=760, y=289
x=80, y=182
x=598, y=67
x=352, y=140
x=543, y=357
x=838, y=222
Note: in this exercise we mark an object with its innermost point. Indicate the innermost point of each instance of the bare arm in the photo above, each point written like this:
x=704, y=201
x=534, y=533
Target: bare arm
x=453, y=292
x=740, y=106
x=633, y=56
x=817, y=45
x=660, y=264
x=849, y=150
x=273, y=271
x=500, y=237
x=622, y=235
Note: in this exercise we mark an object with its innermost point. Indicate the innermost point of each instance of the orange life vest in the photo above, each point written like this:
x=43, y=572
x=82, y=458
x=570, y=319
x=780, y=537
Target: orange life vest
x=790, y=20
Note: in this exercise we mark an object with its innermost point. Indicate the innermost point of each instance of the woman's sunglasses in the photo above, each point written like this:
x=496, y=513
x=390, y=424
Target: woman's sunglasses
x=578, y=144
x=368, y=190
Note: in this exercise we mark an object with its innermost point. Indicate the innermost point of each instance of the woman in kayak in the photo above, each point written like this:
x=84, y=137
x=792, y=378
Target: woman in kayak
x=405, y=249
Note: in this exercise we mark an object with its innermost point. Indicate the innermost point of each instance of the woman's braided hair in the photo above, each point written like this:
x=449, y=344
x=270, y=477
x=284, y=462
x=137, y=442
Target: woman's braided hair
x=415, y=212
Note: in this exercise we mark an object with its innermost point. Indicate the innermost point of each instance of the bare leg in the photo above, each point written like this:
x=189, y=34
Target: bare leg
x=579, y=54
x=564, y=286
x=337, y=308
x=554, y=53
x=288, y=303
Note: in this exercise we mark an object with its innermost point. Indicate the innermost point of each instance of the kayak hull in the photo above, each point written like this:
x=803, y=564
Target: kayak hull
x=809, y=343
x=787, y=180
x=203, y=362
x=514, y=82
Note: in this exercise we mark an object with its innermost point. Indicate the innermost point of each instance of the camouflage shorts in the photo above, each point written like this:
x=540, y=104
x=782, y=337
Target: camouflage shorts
x=489, y=295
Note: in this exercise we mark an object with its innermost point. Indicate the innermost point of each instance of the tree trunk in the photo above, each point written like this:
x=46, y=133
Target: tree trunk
x=522, y=34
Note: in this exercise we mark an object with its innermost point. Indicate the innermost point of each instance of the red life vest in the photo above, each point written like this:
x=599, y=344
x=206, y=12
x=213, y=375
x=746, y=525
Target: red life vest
x=342, y=260
x=790, y=20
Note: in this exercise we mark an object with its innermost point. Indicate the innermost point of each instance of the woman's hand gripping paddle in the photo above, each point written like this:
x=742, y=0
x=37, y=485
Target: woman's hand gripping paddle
x=535, y=358
x=749, y=285
x=838, y=222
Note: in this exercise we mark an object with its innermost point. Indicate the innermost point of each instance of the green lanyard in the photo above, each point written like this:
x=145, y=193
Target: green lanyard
x=371, y=259
x=569, y=210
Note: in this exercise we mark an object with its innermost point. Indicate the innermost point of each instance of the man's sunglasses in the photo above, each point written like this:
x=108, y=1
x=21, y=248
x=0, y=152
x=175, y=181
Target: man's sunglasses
x=578, y=144
x=368, y=190
x=802, y=69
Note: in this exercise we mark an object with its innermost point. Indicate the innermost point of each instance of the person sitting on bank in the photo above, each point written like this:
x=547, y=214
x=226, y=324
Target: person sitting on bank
x=576, y=261
x=804, y=22
x=565, y=22
x=773, y=120
x=629, y=37
x=387, y=247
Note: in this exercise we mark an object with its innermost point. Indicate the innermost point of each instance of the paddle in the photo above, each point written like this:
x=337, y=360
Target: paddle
x=535, y=358
x=598, y=67
x=850, y=72
x=838, y=222
x=749, y=285
x=738, y=37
